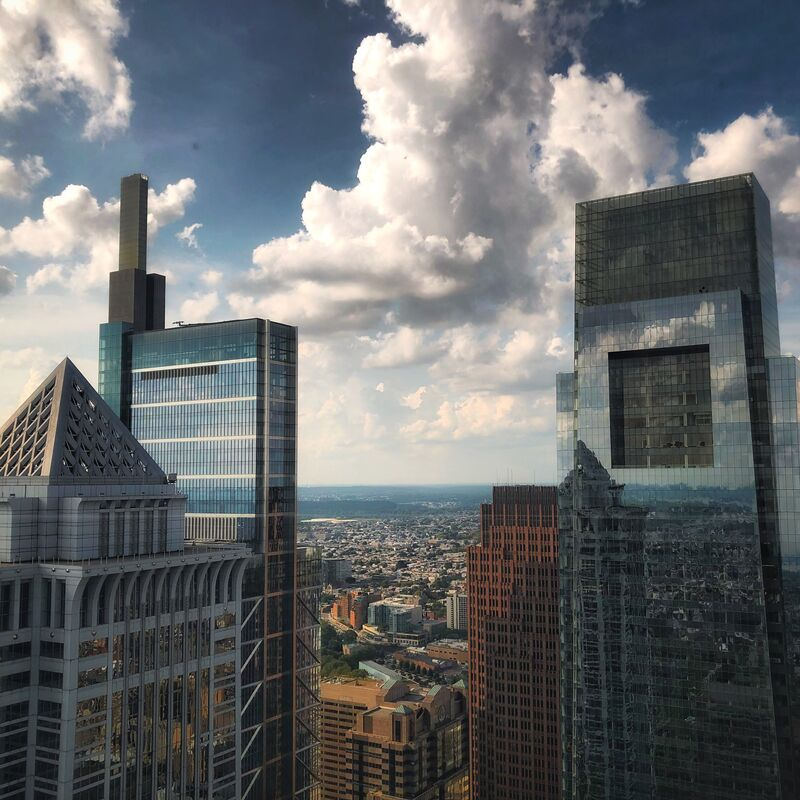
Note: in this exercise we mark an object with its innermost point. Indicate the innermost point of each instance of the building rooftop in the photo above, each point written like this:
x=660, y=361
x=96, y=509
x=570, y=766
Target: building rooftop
x=66, y=432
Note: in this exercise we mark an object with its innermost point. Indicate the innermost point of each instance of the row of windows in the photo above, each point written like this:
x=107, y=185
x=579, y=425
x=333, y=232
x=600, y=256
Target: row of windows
x=196, y=344
x=216, y=381
x=229, y=418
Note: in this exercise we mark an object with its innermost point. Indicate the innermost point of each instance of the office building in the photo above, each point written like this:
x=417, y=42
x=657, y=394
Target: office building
x=512, y=584
x=120, y=645
x=449, y=650
x=307, y=671
x=678, y=447
x=385, y=740
x=394, y=617
x=457, y=611
x=215, y=405
x=352, y=607
x=336, y=571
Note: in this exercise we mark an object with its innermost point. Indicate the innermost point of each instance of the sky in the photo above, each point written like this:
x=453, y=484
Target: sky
x=397, y=178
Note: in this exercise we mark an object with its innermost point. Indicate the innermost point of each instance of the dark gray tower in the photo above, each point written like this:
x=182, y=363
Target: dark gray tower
x=680, y=651
x=134, y=296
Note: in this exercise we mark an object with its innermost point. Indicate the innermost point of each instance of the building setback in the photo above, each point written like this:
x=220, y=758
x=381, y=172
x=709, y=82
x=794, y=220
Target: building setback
x=512, y=585
x=216, y=405
x=120, y=645
x=383, y=740
x=678, y=448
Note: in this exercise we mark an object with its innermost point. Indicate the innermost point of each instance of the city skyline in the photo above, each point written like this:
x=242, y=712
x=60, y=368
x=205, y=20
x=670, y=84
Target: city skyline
x=434, y=299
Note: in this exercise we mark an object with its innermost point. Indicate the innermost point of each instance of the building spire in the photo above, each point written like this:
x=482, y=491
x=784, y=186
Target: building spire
x=134, y=296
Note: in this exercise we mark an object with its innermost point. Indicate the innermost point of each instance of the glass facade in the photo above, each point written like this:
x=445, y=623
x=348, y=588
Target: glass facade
x=215, y=404
x=678, y=520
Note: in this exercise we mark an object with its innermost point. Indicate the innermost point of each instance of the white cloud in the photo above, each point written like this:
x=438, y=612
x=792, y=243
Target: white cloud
x=397, y=348
x=477, y=416
x=17, y=180
x=414, y=400
x=65, y=48
x=200, y=307
x=372, y=428
x=8, y=280
x=211, y=277
x=48, y=275
x=599, y=140
x=450, y=259
x=381, y=387
x=187, y=235
x=81, y=235
x=766, y=145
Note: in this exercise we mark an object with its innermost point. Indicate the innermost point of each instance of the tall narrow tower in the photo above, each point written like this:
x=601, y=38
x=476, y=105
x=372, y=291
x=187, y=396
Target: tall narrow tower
x=512, y=583
x=134, y=296
x=215, y=405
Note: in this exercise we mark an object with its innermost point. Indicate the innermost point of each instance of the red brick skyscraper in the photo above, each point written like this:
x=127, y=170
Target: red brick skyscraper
x=512, y=582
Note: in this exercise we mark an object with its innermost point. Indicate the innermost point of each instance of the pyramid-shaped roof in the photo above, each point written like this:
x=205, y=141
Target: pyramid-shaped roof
x=66, y=432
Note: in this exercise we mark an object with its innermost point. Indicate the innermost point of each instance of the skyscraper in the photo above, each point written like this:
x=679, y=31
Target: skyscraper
x=678, y=447
x=215, y=404
x=512, y=585
x=119, y=644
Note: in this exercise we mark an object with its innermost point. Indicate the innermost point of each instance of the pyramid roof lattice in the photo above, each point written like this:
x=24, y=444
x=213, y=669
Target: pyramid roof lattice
x=66, y=432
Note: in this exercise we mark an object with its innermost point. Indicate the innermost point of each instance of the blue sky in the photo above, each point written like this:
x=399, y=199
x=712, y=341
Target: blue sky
x=429, y=267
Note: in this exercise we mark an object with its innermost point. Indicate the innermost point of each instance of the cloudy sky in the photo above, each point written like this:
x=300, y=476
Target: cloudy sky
x=396, y=177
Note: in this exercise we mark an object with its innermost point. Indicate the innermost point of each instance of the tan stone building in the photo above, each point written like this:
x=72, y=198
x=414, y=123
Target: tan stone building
x=385, y=740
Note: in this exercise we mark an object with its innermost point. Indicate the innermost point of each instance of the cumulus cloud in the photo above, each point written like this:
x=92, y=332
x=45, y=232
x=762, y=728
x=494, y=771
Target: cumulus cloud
x=476, y=155
x=477, y=415
x=8, y=280
x=188, y=236
x=80, y=236
x=200, y=307
x=766, y=145
x=414, y=400
x=65, y=48
x=398, y=348
x=17, y=180
x=450, y=259
x=211, y=277
x=381, y=387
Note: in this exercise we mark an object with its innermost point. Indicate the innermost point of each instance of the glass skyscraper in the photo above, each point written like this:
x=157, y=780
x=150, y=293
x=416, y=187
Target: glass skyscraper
x=679, y=450
x=215, y=405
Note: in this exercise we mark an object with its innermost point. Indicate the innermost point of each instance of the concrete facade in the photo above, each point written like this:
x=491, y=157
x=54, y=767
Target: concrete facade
x=119, y=645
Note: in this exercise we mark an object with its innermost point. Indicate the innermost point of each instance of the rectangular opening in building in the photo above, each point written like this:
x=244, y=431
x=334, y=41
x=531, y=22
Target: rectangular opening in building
x=660, y=407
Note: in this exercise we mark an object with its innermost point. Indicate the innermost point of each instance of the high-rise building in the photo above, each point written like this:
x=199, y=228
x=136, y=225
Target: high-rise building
x=120, y=645
x=512, y=584
x=456, y=606
x=678, y=447
x=336, y=571
x=385, y=740
x=215, y=405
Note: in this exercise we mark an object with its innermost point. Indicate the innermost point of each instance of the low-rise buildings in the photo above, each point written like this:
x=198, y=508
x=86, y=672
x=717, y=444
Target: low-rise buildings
x=449, y=649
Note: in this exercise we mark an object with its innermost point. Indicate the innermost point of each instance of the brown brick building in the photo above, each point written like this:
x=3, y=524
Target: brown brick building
x=512, y=583
x=351, y=607
x=383, y=740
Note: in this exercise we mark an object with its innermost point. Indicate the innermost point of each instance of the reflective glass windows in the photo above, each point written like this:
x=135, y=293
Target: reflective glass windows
x=660, y=408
